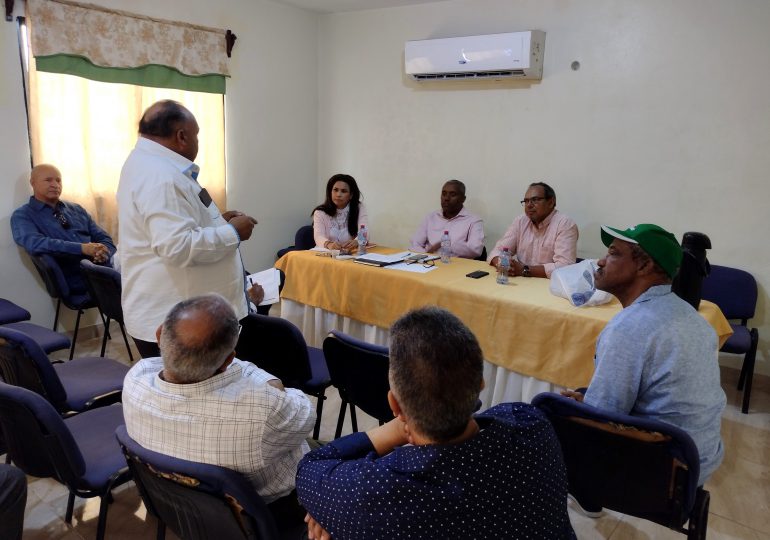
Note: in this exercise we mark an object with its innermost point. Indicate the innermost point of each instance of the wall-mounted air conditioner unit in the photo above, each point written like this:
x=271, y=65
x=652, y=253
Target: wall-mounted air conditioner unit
x=495, y=56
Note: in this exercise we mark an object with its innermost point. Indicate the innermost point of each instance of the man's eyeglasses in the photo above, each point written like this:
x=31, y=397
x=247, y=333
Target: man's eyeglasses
x=61, y=218
x=533, y=200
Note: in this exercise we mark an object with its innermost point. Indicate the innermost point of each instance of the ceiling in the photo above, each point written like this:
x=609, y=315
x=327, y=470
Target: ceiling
x=336, y=6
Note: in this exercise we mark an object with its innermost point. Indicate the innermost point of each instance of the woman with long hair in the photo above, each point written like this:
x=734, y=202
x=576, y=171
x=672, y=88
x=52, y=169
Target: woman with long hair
x=337, y=220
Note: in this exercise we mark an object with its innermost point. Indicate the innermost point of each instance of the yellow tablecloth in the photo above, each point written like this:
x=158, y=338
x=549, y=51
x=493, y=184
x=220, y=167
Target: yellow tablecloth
x=520, y=326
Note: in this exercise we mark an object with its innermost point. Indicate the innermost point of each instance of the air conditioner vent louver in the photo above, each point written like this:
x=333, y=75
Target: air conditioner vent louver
x=496, y=56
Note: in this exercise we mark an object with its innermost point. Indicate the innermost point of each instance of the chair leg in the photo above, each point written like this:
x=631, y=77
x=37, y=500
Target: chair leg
x=105, y=336
x=161, y=534
x=748, y=365
x=101, y=524
x=699, y=516
x=70, y=506
x=75, y=335
x=319, y=413
x=125, y=340
x=340, y=419
x=353, y=420
x=56, y=317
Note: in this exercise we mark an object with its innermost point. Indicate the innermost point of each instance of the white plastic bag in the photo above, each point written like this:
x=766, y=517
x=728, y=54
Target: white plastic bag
x=576, y=283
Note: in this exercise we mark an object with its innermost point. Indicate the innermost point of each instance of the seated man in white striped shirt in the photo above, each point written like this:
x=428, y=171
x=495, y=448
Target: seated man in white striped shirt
x=200, y=403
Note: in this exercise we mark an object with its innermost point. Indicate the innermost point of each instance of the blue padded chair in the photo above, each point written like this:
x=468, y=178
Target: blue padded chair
x=359, y=371
x=303, y=239
x=735, y=292
x=77, y=385
x=105, y=287
x=80, y=451
x=636, y=466
x=278, y=347
x=58, y=289
x=195, y=500
x=15, y=317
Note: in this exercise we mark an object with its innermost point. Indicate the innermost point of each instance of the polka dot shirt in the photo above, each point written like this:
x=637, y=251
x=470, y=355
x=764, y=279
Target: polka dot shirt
x=509, y=481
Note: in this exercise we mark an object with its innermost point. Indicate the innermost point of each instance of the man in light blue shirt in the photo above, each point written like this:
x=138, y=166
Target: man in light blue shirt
x=657, y=358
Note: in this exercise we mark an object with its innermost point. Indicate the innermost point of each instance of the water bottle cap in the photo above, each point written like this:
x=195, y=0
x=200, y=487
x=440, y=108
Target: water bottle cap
x=505, y=249
x=446, y=232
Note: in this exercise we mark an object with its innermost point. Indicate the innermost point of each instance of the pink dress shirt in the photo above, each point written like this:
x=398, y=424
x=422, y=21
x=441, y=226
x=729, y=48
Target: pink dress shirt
x=466, y=231
x=553, y=243
x=335, y=228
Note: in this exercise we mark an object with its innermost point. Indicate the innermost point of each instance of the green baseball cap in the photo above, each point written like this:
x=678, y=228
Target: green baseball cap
x=657, y=242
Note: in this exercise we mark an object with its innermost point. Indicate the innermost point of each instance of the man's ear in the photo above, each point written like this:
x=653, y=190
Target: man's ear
x=158, y=332
x=227, y=362
x=395, y=406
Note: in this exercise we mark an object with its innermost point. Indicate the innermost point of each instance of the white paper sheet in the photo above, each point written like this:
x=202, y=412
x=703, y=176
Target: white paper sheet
x=269, y=280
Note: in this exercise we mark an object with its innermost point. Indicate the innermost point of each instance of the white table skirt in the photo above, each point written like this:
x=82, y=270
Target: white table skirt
x=501, y=385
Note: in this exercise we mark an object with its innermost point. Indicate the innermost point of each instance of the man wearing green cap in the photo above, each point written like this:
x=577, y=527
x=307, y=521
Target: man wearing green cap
x=657, y=358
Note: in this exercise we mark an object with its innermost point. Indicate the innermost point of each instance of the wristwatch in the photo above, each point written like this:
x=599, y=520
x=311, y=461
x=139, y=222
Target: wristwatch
x=525, y=271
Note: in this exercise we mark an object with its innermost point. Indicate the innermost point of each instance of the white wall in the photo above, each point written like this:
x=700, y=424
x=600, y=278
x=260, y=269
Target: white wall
x=271, y=127
x=667, y=120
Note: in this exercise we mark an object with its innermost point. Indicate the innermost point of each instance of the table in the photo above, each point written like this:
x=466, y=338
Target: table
x=532, y=340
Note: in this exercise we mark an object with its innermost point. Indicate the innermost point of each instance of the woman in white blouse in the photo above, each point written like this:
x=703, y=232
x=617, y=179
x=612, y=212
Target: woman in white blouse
x=337, y=220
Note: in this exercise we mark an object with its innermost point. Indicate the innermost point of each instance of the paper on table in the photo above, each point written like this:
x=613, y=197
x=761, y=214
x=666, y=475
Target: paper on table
x=417, y=268
x=269, y=280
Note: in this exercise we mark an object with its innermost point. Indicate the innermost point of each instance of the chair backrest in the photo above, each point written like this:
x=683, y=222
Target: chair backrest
x=38, y=440
x=359, y=370
x=196, y=500
x=636, y=466
x=303, y=239
x=24, y=363
x=483, y=255
x=277, y=346
x=52, y=276
x=733, y=290
x=105, y=287
x=11, y=313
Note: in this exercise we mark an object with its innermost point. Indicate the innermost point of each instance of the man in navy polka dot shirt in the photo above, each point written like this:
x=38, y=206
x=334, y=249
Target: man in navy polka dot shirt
x=437, y=471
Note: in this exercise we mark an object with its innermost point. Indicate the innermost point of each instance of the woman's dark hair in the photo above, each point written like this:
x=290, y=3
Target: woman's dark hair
x=330, y=208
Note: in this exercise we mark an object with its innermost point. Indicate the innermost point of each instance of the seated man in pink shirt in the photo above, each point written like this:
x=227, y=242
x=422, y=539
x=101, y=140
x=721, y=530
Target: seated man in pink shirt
x=466, y=230
x=542, y=239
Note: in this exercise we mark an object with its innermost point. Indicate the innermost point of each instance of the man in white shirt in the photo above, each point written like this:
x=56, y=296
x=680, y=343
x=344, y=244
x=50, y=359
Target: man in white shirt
x=200, y=403
x=174, y=242
x=466, y=230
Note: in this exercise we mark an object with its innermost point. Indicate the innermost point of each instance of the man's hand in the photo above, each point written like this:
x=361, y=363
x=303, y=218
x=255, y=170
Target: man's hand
x=577, y=396
x=230, y=214
x=256, y=293
x=244, y=225
x=314, y=529
x=516, y=268
x=434, y=248
x=98, y=252
x=389, y=435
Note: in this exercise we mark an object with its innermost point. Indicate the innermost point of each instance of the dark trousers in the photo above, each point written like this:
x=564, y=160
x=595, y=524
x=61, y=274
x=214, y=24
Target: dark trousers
x=287, y=512
x=13, y=499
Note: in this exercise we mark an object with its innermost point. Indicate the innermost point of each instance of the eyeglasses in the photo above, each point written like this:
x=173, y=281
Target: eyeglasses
x=533, y=200
x=429, y=264
x=61, y=218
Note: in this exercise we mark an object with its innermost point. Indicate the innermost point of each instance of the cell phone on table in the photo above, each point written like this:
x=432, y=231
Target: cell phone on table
x=477, y=274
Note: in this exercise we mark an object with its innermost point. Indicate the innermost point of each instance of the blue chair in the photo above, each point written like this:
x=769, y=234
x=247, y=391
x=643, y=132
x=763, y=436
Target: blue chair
x=196, y=500
x=105, y=287
x=16, y=317
x=636, y=466
x=58, y=289
x=79, y=452
x=303, y=239
x=278, y=347
x=78, y=385
x=359, y=371
x=735, y=292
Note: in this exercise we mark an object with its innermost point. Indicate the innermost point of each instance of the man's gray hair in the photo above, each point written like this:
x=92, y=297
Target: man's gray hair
x=436, y=367
x=193, y=358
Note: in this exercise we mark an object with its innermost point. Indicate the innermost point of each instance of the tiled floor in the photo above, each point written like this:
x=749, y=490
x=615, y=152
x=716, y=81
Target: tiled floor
x=740, y=489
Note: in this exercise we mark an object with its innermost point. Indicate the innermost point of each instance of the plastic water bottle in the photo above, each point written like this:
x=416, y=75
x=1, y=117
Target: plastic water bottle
x=362, y=240
x=446, y=247
x=504, y=264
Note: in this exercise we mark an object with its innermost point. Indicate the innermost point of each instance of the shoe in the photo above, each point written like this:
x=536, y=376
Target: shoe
x=587, y=511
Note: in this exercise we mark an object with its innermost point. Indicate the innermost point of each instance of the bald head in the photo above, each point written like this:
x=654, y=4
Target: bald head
x=45, y=180
x=170, y=124
x=197, y=338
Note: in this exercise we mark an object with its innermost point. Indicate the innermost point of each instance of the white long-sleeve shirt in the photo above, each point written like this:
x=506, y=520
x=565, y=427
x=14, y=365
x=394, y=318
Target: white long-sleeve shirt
x=172, y=247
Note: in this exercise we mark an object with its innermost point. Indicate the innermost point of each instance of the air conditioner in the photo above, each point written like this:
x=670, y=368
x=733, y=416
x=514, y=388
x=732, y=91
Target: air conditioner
x=495, y=56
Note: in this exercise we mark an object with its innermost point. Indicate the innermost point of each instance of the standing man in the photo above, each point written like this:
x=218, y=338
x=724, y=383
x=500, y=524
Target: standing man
x=657, y=358
x=174, y=243
x=542, y=239
x=466, y=230
x=48, y=225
